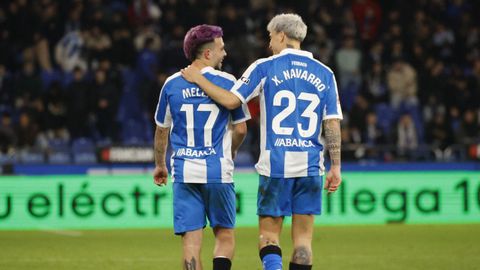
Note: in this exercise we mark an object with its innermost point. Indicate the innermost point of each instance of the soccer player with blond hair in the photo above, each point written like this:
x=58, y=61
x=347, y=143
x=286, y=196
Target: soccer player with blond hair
x=297, y=94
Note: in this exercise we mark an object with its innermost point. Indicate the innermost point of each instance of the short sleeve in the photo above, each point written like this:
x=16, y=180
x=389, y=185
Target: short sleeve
x=163, y=117
x=332, y=105
x=250, y=84
x=240, y=114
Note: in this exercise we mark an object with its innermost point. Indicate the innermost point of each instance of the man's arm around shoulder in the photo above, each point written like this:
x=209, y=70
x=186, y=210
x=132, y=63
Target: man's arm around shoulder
x=220, y=95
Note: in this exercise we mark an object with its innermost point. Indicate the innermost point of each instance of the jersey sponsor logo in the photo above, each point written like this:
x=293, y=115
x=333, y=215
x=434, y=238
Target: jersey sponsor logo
x=298, y=63
x=289, y=142
x=245, y=80
x=188, y=152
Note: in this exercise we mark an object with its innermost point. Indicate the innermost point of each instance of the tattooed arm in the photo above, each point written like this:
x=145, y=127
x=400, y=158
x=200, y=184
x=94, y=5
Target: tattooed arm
x=333, y=141
x=160, y=173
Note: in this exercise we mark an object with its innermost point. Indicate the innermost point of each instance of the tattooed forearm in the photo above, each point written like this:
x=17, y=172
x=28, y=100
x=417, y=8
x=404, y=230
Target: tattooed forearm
x=301, y=255
x=190, y=265
x=333, y=140
x=160, y=147
x=271, y=243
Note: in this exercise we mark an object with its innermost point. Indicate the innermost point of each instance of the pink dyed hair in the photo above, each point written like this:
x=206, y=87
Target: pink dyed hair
x=197, y=36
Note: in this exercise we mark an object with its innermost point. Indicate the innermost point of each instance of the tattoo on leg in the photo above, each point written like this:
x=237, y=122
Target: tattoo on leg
x=271, y=243
x=190, y=265
x=267, y=241
x=301, y=255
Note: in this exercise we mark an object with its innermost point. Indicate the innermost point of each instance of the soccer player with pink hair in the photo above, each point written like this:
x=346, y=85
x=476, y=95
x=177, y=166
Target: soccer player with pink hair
x=205, y=138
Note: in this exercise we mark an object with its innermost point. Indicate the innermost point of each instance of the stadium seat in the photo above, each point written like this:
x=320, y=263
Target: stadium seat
x=58, y=145
x=31, y=157
x=49, y=77
x=59, y=152
x=348, y=95
x=4, y=108
x=386, y=116
x=136, y=132
x=83, y=145
x=104, y=142
x=130, y=141
x=128, y=77
x=84, y=158
x=7, y=158
x=67, y=78
x=61, y=157
x=128, y=107
x=133, y=132
x=118, y=6
x=84, y=151
x=148, y=129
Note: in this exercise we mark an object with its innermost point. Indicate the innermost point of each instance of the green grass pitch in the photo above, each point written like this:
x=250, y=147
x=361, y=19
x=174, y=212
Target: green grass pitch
x=335, y=247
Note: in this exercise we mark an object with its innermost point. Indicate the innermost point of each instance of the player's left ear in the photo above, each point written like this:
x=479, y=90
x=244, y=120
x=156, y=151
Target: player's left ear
x=283, y=37
x=207, y=54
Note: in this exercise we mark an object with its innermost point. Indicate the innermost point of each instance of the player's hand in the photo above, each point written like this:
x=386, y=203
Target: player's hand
x=333, y=180
x=160, y=175
x=191, y=73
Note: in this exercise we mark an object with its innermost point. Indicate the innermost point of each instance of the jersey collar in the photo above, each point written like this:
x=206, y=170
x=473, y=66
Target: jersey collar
x=207, y=69
x=295, y=51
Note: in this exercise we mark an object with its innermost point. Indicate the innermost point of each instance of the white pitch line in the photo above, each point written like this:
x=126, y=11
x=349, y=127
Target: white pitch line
x=80, y=260
x=64, y=233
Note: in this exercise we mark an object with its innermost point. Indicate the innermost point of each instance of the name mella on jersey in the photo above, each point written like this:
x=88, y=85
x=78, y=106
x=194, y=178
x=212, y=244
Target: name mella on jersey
x=299, y=73
x=192, y=92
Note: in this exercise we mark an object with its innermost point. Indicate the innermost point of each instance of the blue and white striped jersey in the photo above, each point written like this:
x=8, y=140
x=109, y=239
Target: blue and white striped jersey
x=201, y=130
x=296, y=93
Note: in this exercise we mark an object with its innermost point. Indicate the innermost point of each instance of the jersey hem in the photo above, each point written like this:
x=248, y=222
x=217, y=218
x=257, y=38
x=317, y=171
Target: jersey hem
x=289, y=175
x=236, y=93
x=210, y=181
x=245, y=119
x=336, y=116
x=162, y=125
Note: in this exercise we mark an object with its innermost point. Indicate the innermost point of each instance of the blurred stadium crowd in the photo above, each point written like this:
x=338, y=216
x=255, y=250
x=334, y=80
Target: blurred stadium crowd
x=79, y=74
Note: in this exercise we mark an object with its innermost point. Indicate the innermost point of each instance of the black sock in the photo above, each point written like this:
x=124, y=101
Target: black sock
x=221, y=263
x=294, y=266
x=270, y=249
x=271, y=257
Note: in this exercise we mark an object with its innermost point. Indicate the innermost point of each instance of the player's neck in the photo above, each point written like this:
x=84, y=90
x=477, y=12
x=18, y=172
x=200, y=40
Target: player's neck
x=200, y=64
x=293, y=45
